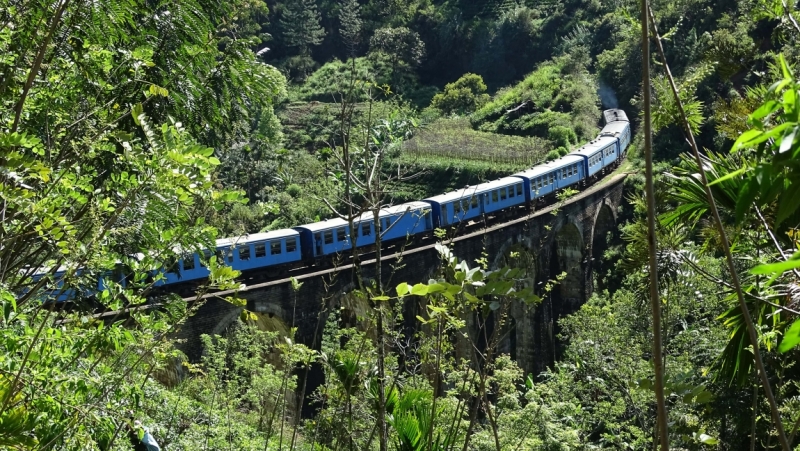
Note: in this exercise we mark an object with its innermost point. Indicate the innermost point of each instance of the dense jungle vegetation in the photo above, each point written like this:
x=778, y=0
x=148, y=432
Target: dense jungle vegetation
x=132, y=131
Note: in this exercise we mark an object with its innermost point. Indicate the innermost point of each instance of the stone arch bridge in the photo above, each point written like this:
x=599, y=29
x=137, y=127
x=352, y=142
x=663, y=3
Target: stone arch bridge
x=567, y=239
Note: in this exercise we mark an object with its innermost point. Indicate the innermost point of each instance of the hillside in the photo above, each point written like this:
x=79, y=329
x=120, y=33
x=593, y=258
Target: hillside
x=134, y=135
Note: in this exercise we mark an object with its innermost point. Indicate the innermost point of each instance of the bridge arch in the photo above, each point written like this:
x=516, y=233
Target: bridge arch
x=604, y=223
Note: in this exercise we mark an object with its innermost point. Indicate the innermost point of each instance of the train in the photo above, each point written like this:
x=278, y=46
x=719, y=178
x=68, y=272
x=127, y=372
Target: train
x=312, y=244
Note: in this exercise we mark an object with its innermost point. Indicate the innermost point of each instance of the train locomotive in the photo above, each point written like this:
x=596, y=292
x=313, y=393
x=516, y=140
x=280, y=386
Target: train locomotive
x=312, y=244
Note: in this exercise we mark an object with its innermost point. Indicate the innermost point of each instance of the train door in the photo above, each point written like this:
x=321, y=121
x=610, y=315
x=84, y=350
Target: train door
x=318, y=244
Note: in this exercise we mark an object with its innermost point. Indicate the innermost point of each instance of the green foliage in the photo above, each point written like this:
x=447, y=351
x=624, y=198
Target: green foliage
x=335, y=79
x=665, y=108
x=555, y=102
x=300, y=26
x=404, y=48
x=553, y=155
x=350, y=25
x=100, y=179
x=401, y=44
x=463, y=96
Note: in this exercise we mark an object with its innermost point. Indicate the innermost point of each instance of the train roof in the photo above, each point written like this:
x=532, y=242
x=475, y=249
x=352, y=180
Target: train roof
x=408, y=206
x=614, y=128
x=385, y=211
x=323, y=225
x=594, y=145
x=551, y=166
x=469, y=191
x=615, y=114
x=535, y=171
x=256, y=237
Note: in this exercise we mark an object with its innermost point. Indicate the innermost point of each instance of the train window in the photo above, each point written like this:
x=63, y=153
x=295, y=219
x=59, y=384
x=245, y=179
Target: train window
x=328, y=236
x=563, y=173
x=494, y=196
x=229, y=254
x=502, y=194
x=261, y=250
x=188, y=262
x=204, y=260
x=465, y=205
x=341, y=235
x=366, y=228
x=274, y=247
x=519, y=189
x=291, y=244
x=474, y=201
x=456, y=207
x=244, y=253
x=575, y=168
x=171, y=264
x=511, y=191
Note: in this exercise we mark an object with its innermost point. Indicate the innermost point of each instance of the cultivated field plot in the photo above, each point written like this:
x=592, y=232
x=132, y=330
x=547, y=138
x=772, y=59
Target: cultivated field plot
x=453, y=140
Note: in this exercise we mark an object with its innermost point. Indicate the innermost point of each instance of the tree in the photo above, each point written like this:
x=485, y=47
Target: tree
x=350, y=25
x=403, y=46
x=300, y=26
x=99, y=179
x=463, y=96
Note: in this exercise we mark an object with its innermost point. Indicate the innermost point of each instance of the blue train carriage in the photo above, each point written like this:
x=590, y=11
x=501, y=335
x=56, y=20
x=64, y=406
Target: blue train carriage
x=327, y=237
x=618, y=127
x=473, y=201
x=597, y=154
x=333, y=236
x=546, y=179
x=409, y=219
x=259, y=250
x=55, y=290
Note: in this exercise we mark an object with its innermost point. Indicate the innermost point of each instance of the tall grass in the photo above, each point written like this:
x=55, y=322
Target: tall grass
x=454, y=141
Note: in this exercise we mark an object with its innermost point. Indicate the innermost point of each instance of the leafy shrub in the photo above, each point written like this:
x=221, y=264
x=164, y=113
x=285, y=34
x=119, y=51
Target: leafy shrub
x=334, y=78
x=562, y=136
x=294, y=190
x=562, y=151
x=463, y=96
x=552, y=155
x=298, y=67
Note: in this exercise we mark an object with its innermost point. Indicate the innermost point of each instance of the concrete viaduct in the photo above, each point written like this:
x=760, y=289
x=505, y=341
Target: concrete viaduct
x=567, y=238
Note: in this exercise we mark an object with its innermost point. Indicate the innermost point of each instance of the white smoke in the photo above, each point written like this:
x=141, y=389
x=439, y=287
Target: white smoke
x=607, y=96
